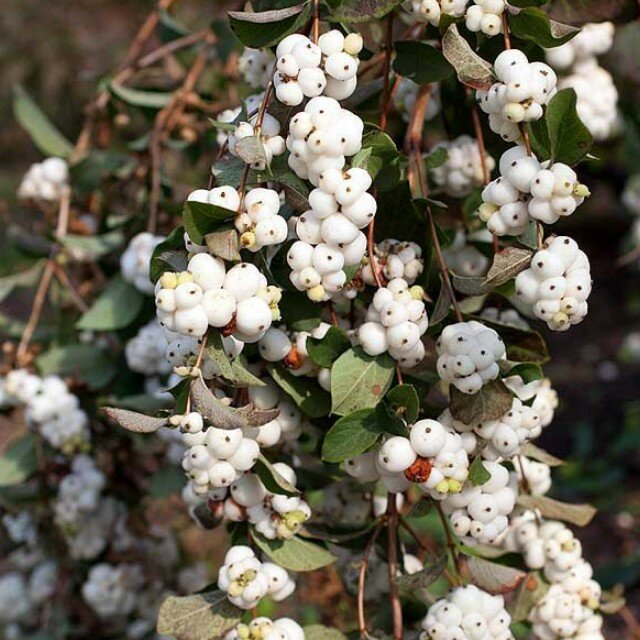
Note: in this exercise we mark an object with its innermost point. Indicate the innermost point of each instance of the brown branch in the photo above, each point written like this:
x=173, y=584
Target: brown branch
x=505, y=28
x=315, y=28
x=362, y=576
x=451, y=545
x=64, y=279
x=392, y=562
x=631, y=621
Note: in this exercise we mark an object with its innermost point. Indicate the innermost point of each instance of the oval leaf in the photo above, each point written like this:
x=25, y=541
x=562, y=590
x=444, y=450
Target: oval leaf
x=133, y=421
x=295, y=554
x=493, y=577
x=490, y=403
x=472, y=70
x=578, y=514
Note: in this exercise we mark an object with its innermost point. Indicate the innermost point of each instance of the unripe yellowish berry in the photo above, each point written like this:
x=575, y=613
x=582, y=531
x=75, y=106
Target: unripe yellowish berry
x=316, y=293
x=195, y=372
x=283, y=532
x=175, y=420
x=249, y=576
x=275, y=293
x=275, y=312
x=181, y=371
x=486, y=210
x=185, y=276
x=248, y=239
x=235, y=588
x=243, y=631
x=442, y=487
x=169, y=280
x=353, y=44
x=454, y=486
x=514, y=112
x=581, y=191
x=416, y=292
x=560, y=318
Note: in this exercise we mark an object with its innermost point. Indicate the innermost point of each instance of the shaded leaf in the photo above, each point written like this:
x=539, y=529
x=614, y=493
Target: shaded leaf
x=417, y=584
x=231, y=370
x=140, y=97
x=116, y=307
x=251, y=150
x=580, y=13
x=530, y=450
x=267, y=28
x=359, y=381
x=472, y=70
x=578, y=514
x=351, y=435
x=354, y=11
x=490, y=403
x=224, y=243
x=169, y=255
x=83, y=361
x=92, y=247
x=534, y=24
x=202, y=616
x=531, y=590
x=324, y=351
x=43, y=133
x=133, y=421
x=528, y=371
x=298, y=312
x=26, y=278
x=165, y=482
x=18, y=462
x=272, y=479
x=405, y=397
x=442, y=306
x=295, y=554
x=320, y=632
x=296, y=191
x=310, y=398
x=420, y=61
x=495, y=578
x=201, y=218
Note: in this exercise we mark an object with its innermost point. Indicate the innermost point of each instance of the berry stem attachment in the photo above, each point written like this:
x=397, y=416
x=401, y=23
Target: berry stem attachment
x=392, y=562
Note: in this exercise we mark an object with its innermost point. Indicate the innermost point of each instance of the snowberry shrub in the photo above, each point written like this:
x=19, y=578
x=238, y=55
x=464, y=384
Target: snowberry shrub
x=307, y=297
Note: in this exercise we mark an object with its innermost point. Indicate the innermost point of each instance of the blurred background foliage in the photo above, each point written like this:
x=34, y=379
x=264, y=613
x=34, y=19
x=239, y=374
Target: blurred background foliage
x=60, y=51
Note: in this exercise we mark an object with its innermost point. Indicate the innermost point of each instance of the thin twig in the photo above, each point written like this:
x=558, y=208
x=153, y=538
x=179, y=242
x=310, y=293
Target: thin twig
x=505, y=28
x=392, y=562
x=315, y=29
x=64, y=279
x=362, y=576
x=631, y=621
x=451, y=545
x=386, y=71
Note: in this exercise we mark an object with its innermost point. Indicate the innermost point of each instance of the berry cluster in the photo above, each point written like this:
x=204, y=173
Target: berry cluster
x=529, y=190
x=394, y=259
x=237, y=301
x=146, y=351
x=112, y=591
x=405, y=95
x=259, y=223
x=463, y=257
x=557, y=284
x=481, y=514
x=522, y=91
x=467, y=613
x=49, y=408
x=268, y=130
x=308, y=70
x=468, y=355
x=464, y=168
x=433, y=457
x=136, y=260
x=267, y=629
x=330, y=236
x=485, y=16
x=256, y=66
x=320, y=138
x=45, y=180
x=430, y=11
x=247, y=580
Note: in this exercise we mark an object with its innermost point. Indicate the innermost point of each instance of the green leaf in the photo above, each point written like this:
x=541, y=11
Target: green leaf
x=490, y=403
x=528, y=371
x=359, y=381
x=381, y=159
x=169, y=28
x=416, y=585
x=92, y=247
x=523, y=345
x=18, y=462
x=421, y=62
x=471, y=69
x=531, y=590
x=351, y=435
x=436, y=158
x=141, y=98
x=534, y=24
x=325, y=351
x=320, y=632
x=569, y=139
x=165, y=482
x=202, y=616
x=492, y=577
x=521, y=4
x=272, y=479
x=169, y=255
x=44, y=134
x=578, y=514
x=478, y=473
x=26, y=278
x=310, y=398
x=355, y=11
x=580, y=13
x=231, y=370
x=201, y=218
x=442, y=307
x=134, y=421
x=267, y=28
x=404, y=397
x=116, y=307
x=295, y=554
x=298, y=312
x=296, y=191
x=84, y=361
